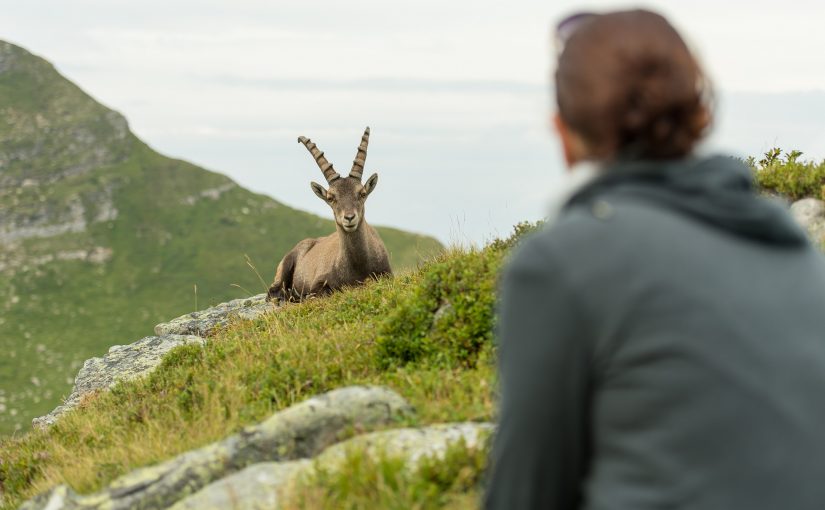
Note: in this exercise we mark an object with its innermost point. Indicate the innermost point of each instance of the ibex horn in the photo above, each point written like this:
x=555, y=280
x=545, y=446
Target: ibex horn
x=360, y=156
x=326, y=167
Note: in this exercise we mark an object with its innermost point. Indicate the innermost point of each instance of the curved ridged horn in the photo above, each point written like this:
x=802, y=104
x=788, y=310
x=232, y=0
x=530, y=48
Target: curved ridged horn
x=326, y=167
x=360, y=156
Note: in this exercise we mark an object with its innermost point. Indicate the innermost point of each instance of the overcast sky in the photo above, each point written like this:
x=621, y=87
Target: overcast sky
x=456, y=93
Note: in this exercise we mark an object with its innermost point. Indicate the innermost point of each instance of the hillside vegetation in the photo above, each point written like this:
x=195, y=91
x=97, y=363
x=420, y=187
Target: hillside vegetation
x=101, y=237
x=789, y=175
x=426, y=334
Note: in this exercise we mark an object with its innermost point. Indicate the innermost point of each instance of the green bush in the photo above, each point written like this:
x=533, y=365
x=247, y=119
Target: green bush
x=520, y=230
x=788, y=176
x=448, y=318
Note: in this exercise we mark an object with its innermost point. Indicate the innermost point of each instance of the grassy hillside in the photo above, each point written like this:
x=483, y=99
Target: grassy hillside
x=388, y=332
x=101, y=237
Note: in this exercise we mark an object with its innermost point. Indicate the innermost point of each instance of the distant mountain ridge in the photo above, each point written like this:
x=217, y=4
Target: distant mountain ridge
x=101, y=237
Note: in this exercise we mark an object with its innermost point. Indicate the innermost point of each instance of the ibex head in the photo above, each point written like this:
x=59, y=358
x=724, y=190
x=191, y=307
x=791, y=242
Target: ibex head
x=346, y=195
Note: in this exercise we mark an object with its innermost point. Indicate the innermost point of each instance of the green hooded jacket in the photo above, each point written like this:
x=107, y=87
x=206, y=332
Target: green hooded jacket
x=662, y=346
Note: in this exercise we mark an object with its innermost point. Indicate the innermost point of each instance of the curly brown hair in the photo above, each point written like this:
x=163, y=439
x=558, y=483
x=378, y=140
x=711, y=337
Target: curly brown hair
x=627, y=83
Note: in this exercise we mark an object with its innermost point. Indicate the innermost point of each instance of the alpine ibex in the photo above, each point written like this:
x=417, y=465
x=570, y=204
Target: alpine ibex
x=350, y=255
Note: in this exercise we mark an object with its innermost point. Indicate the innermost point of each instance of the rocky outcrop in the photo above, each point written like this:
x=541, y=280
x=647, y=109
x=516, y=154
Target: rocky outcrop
x=65, y=135
x=300, y=431
x=122, y=362
x=12, y=260
x=810, y=214
x=261, y=486
x=210, y=193
x=69, y=219
x=126, y=362
x=206, y=322
x=410, y=444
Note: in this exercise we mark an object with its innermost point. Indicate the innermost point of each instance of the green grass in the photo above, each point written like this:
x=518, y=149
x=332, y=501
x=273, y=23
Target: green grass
x=364, y=482
x=55, y=315
x=252, y=369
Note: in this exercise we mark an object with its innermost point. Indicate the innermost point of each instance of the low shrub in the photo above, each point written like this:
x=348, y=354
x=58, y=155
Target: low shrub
x=448, y=318
x=787, y=175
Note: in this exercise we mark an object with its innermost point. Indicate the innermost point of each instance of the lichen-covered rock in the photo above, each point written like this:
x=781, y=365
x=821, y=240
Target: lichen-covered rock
x=254, y=488
x=261, y=485
x=410, y=444
x=300, y=431
x=205, y=322
x=810, y=214
x=122, y=362
x=140, y=358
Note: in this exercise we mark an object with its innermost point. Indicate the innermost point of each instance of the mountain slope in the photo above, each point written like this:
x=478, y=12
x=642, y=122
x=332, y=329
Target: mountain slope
x=101, y=237
x=426, y=335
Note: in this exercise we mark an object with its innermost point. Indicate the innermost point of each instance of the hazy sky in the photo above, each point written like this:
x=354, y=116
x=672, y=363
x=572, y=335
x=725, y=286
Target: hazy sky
x=457, y=93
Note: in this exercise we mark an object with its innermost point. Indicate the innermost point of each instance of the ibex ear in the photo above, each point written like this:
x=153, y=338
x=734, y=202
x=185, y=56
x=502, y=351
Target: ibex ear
x=319, y=190
x=370, y=184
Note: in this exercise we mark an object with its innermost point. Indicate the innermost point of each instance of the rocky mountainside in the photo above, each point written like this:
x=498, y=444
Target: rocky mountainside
x=101, y=237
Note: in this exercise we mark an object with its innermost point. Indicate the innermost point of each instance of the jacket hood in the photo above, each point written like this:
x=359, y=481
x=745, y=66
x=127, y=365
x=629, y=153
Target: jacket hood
x=718, y=191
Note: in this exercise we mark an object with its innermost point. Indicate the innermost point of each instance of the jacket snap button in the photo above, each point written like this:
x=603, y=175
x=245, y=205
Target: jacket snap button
x=602, y=210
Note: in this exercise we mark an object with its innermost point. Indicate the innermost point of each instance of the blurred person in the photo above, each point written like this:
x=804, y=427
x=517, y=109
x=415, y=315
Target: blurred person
x=662, y=342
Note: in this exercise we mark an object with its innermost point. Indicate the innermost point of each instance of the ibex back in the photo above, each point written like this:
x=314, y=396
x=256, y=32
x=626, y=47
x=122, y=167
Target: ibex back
x=350, y=255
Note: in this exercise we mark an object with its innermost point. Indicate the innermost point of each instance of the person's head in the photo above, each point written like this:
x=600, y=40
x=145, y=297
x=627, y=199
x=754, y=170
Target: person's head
x=628, y=86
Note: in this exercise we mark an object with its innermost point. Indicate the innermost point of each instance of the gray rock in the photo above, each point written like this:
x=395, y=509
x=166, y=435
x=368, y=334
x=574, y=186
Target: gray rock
x=810, y=214
x=300, y=431
x=206, y=322
x=410, y=444
x=69, y=219
x=122, y=362
x=260, y=485
x=254, y=488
